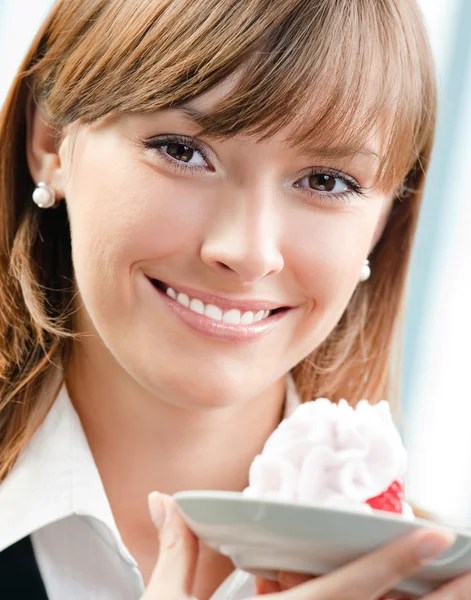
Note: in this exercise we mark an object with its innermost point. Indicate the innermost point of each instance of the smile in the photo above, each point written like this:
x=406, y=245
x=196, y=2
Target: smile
x=219, y=317
x=233, y=315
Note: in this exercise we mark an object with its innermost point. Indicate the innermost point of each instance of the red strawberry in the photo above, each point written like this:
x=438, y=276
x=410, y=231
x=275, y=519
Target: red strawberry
x=390, y=500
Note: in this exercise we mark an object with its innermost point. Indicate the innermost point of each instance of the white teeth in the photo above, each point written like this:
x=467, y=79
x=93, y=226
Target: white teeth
x=197, y=306
x=213, y=312
x=232, y=316
x=247, y=318
x=183, y=299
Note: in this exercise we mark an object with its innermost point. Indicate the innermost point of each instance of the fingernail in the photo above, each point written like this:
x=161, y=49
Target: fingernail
x=156, y=509
x=432, y=545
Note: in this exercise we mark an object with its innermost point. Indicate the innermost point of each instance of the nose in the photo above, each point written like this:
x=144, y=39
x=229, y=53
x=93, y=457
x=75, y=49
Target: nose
x=243, y=237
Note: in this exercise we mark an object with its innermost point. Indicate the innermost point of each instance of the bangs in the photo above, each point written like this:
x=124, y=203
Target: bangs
x=337, y=72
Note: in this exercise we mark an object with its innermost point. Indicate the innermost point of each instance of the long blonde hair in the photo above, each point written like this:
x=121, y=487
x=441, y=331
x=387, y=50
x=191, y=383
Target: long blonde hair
x=364, y=65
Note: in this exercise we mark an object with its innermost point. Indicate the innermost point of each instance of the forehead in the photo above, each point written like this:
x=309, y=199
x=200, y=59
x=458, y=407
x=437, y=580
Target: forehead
x=335, y=143
x=324, y=73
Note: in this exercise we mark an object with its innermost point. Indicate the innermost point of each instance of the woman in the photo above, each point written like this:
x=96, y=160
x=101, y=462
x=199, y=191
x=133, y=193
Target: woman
x=198, y=198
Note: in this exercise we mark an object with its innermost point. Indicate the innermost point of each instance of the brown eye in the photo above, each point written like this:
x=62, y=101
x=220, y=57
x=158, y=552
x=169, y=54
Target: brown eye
x=325, y=183
x=322, y=182
x=179, y=152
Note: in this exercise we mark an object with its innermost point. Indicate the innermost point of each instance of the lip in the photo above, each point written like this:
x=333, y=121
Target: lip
x=218, y=329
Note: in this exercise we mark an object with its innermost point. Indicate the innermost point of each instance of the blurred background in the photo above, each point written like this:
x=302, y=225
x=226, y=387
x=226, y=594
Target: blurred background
x=436, y=402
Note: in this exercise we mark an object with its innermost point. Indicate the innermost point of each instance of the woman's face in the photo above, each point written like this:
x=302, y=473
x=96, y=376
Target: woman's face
x=209, y=268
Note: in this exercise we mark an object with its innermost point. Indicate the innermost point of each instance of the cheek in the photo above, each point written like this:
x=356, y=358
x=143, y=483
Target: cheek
x=327, y=251
x=122, y=213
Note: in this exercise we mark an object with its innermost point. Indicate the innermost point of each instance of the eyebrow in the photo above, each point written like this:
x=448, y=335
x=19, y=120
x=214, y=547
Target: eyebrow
x=329, y=152
x=192, y=113
x=339, y=152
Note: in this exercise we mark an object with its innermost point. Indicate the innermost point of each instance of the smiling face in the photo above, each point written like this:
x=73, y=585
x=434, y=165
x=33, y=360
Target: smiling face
x=208, y=268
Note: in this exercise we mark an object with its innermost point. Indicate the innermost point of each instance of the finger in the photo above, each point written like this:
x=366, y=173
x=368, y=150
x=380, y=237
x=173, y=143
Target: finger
x=266, y=586
x=373, y=575
x=459, y=589
x=289, y=580
x=393, y=562
x=174, y=574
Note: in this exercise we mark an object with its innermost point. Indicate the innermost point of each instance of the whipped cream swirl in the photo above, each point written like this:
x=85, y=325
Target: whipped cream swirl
x=330, y=455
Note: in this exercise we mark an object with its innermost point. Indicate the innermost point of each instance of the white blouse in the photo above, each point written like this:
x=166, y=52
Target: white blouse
x=55, y=494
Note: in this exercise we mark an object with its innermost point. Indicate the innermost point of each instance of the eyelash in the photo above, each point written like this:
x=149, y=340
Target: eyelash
x=155, y=144
x=355, y=188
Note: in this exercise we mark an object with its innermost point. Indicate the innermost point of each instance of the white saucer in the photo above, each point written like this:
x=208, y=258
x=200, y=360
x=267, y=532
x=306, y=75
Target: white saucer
x=263, y=537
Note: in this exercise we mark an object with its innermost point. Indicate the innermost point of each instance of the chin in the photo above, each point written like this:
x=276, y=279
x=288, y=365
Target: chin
x=205, y=389
x=204, y=395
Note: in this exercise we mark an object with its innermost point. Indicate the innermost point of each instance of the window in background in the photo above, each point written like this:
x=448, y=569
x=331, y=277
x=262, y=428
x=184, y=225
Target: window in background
x=436, y=361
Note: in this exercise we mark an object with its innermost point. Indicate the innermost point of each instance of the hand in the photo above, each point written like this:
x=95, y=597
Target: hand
x=392, y=562
x=368, y=578
x=459, y=589
x=174, y=574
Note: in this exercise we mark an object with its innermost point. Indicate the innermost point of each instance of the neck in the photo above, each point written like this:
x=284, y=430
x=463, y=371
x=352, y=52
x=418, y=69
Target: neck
x=142, y=443
x=138, y=438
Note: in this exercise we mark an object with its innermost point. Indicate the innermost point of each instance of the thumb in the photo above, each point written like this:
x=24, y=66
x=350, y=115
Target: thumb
x=174, y=573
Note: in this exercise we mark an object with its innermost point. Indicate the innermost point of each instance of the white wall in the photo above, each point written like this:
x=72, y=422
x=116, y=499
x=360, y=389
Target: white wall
x=439, y=427
x=440, y=17
x=19, y=21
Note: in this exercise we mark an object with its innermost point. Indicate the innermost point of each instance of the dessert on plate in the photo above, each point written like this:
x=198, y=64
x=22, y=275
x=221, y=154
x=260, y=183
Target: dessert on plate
x=334, y=456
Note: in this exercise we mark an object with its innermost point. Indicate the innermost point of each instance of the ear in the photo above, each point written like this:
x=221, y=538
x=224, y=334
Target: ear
x=42, y=149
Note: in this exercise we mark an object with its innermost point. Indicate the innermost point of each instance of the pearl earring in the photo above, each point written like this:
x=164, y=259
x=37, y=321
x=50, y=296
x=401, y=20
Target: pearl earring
x=365, y=271
x=44, y=195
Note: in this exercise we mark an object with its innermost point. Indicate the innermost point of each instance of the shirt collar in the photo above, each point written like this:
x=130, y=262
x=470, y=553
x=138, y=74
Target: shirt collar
x=56, y=477
x=292, y=399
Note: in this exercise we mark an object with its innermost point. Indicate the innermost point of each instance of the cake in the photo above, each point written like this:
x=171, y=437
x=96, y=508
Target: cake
x=334, y=456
